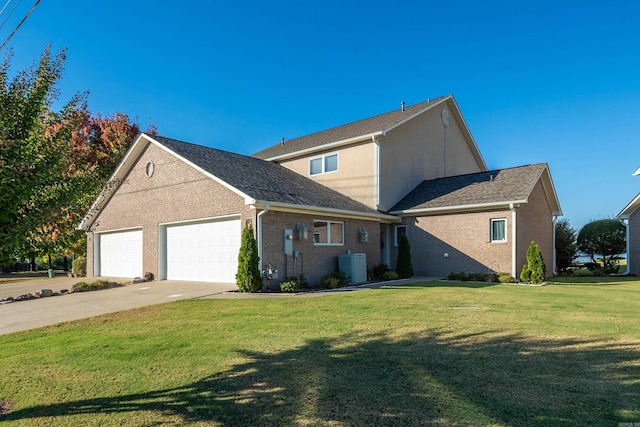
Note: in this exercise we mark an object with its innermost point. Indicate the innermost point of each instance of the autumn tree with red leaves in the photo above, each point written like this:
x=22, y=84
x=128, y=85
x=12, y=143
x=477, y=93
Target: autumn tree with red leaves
x=52, y=164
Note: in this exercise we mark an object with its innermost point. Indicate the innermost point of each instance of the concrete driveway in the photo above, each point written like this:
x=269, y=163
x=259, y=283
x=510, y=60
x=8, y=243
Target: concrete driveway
x=20, y=316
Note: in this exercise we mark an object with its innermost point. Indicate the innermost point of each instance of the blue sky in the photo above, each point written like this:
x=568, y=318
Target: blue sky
x=538, y=81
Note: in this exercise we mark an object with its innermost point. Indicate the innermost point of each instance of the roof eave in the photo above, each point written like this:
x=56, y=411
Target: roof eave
x=315, y=210
x=324, y=147
x=630, y=208
x=459, y=208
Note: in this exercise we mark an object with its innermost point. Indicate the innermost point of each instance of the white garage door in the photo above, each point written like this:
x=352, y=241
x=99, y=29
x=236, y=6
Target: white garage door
x=204, y=251
x=121, y=254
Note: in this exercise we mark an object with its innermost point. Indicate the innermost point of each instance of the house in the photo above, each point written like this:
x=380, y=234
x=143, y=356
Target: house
x=630, y=216
x=177, y=209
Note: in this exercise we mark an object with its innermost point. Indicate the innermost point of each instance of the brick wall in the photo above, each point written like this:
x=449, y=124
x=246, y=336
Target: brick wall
x=464, y=238
x=315, y=261
x=535, y=223
x=175, y=192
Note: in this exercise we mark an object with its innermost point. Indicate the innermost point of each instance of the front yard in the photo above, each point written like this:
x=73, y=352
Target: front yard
x=435, y=353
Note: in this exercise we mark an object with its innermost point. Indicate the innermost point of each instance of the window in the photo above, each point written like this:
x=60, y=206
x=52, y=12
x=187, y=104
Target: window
x=323, y=164
x=328, y=233
x=498, y=230
x=401, y=230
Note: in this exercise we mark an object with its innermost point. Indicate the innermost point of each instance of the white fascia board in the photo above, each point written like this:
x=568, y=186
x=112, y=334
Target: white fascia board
x=247, y=199
x=324, y=147
x=121, y=170
x=630, y=208
x=315, y=210
x=552, y=190
x=459, y=208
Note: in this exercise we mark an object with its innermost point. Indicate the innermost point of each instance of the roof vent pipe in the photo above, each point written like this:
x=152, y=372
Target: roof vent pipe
x=402, y=105
x=282, y=141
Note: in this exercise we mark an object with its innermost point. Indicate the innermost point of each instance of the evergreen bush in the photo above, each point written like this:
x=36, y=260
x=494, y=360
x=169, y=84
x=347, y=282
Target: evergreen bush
x=248, y=277
x=535, y=270
x=79, y=266
x=404, y=268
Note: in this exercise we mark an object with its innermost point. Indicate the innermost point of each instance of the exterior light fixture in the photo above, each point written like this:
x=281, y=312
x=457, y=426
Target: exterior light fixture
x=302, y=231
x=364, y=235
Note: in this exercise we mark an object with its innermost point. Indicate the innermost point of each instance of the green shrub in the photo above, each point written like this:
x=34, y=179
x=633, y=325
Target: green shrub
x=94, y=286
x=378, y=271
x=248, y=277
x=404, y=268
x=458, y=277
x=304, y=283
x=79, y=266
x=506, y=278
x=291, y=285
x=480, y=277
x=329, y=282
x=390, y=275
x=535, y=270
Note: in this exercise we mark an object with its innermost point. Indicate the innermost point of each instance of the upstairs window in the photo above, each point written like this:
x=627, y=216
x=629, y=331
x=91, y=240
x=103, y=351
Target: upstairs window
x=324, y=164
x=499, y=230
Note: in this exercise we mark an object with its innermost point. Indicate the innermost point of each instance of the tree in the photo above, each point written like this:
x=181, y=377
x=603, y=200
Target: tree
x=34, y=144
x=404, y=268
x=52, y=164
x=566, y=247
x=248, y=277
x=606, y=238
x=534, y=271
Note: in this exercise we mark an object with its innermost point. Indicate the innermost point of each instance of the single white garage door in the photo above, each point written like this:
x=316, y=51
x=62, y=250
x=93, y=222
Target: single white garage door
x=204, y=251
x=121, y=254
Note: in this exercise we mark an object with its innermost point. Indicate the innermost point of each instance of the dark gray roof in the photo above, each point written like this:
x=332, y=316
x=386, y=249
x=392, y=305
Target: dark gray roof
x=350, y=130
x=497, y=186
x=262, y=180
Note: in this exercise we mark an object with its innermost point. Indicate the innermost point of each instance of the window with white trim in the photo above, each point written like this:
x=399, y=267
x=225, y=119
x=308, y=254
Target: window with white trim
x=329, y=233
x=401, y=230
x=324, y=164
x=499, y=230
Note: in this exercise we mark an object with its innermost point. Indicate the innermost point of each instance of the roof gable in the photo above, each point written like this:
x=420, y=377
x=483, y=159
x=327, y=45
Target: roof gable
x=351, y=132
x=479, y=190
x=257, y=181
x=630, y=208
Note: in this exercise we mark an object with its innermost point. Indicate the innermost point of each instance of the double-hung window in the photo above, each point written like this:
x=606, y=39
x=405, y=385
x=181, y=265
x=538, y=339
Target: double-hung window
x=328, y=233
x=399, y=232
x=324, y=164
x=499, y=230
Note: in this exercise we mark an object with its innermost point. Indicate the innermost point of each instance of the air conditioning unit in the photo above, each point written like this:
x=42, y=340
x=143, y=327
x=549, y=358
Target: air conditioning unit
x=354, y=266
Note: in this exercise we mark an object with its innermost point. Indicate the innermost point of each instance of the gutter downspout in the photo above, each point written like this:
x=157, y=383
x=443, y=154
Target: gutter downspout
x=514, y=233
x=626, y=226
x=376, y=174
x=259, y=233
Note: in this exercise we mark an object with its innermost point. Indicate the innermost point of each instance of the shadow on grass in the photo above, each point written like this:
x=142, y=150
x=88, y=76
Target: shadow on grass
x=594, y=280
x=430, y=378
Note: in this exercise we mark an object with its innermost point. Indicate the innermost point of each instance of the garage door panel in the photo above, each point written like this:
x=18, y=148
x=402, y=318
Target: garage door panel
x=205, y=251
x=121, y=254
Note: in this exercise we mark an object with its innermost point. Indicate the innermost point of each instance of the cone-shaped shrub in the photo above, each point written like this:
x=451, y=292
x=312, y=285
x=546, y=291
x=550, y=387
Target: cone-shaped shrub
x=403, y=263
x=248, y=277
x=535, y=270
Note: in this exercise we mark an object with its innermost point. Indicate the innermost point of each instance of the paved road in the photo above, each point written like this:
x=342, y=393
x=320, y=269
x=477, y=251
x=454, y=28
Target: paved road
x=20, y=316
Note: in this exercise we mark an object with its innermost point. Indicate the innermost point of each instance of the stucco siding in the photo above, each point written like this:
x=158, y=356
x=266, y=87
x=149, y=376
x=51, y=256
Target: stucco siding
x=414, y=152
x=355, y=174
x=175, y=192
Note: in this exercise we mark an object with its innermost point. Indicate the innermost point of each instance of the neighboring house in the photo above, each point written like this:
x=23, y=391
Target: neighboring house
x=177, y=209
x=630, y=215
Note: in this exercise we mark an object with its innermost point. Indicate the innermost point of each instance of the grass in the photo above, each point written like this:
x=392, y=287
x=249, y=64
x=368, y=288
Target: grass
x=435, y=353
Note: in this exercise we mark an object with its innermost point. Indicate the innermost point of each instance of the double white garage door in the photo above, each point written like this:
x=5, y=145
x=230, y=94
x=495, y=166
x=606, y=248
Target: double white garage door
x=201, y=251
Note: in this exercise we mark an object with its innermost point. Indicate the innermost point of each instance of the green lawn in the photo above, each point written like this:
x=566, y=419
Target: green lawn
x=429, y=354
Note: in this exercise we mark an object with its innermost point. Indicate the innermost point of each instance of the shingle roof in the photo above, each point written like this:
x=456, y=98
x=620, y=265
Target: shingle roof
x=262, y=180
x=483, y=188
x=355, y=129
